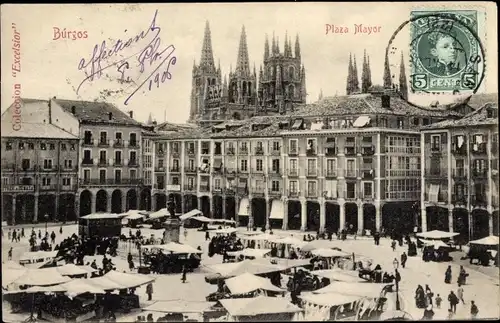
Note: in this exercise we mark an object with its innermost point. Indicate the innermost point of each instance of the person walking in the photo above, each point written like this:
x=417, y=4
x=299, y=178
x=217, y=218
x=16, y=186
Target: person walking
x=404, y=258
x=453, y=299
x=9, y=234
x=428, y=313
x=185, y=234
x=184, y=274
x=207, y=235
x=22, y=232
x=447, y=275
x=60, y=230
x=438, y=301
x=393, y=245
x=53, y=237
x=14, y=236
x=149, y=291
x=473, y=310
x=10, y=253
x=460, y=294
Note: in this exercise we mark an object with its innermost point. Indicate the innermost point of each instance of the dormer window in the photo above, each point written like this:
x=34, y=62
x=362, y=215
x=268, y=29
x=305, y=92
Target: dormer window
x=491, y=113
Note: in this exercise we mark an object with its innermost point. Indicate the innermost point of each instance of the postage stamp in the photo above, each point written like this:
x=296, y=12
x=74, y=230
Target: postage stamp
x=445, y=51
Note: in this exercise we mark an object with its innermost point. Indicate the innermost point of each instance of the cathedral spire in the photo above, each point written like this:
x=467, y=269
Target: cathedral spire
x=403, y=88
x=207, y=55
x=349, y=86
x=150, y=119
x=387, y=73
x=242, y=62
x=273, y=51
x=266, y=48
x=364, y=75
x=285, y=51
x=355, y=80
x=369, y=72
x=277, y=45
x=320, y=96
x=297, y=47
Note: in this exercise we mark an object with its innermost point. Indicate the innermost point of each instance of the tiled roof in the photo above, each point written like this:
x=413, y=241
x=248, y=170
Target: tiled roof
x=97, y=112
x=366, y=104
x=246, y=129
x=478, y=100
x=475, y=118
x=35, y=130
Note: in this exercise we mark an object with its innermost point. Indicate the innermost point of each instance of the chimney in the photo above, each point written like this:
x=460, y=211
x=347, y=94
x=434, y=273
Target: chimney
x=110, y=116
x=434, y=104
x=73, y=109
x=386, y=101
x=131, y=114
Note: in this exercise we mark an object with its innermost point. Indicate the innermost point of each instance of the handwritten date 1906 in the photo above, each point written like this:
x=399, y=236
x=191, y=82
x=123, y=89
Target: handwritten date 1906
x=131, y=68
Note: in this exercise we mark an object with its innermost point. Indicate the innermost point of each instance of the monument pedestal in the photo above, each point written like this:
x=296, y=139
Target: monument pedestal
x=172, y=230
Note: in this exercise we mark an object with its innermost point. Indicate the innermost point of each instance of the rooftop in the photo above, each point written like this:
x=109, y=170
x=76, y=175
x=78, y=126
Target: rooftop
x=481, y=117
x=35, y=130
x=97, y=112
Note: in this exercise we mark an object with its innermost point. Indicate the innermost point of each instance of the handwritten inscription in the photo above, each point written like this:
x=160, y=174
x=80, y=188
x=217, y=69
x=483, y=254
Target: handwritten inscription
x=153, y=56
x=358, y=29
x=69, y=34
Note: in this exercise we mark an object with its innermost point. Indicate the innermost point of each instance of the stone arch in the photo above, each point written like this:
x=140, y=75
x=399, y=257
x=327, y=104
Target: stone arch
x=294, y=214
x=205, y=206
x=291, y=90
x=291, y=72
x=332, y=217
x=259, y=212
x=66, y=210
x=369, y=217
x=312, y=209
x=351, y=217
x=230, y=207
x=145, y=200
x=116, y=202
x=46, y=207
x=131, y=200
x=85, y=203
x=217, y=208
x=437, y=218
x=161, y=201
x=101, y=201
x=7, y=214
x=480, y=224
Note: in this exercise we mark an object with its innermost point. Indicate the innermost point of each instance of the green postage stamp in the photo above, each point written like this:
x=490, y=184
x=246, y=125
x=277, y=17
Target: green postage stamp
x=445, y=51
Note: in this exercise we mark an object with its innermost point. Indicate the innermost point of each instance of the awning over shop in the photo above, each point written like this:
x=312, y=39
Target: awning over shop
x=297, y=124
x=331, y=188
x=277, y=210
x=434, y=193
x=361, y=121
x=244, y=204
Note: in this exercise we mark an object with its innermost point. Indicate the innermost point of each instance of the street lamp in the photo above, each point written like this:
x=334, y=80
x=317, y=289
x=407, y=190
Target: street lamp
x=46, y=216
x=396, y=266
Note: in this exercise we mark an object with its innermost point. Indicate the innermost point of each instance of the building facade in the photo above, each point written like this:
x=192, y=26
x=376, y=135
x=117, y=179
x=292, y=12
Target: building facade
x=39, y=167
x=460, y=177
x=279, y=86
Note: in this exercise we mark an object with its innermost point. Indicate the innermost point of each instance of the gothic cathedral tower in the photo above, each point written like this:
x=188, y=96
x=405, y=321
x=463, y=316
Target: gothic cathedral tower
x=282, y=80
x=207, y=87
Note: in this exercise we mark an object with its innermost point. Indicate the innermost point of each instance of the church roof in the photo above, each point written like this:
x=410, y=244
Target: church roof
x=366, y=104
x=476, y=118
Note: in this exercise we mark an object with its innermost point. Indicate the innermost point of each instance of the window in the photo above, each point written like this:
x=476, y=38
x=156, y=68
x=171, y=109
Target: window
x=102, y=156
x=460, y=167
x=104, y=137
x=368, y=189
x=160, y=163
x=52, y=146
x=66, y=181
x=46, y=181
x=175, y=164
x=118, y=157
x=311, y=188
x=175, y=180
x=8, y=146
x=217, y=183
x=190, y=181
x=350, y=164
x=87, y=155
x=26, y=181
x=401, y=123
x=191, y=164
x=311, y=166
x=73, y=147
x=118, y=136
x=175, y=147
x=416, y=121
x=293, y=164
x=25, y=164
x=68, y=163
x=244, y=147
x=293, y=186
x=425, y=121
x=276, y=165
x=351, y=190
x=436, y=143
x=383, y=122
x=133, y=156
x=21, y=145
x=43, y=146
x=191, y=148
x=276, y=146
x=102, y=176
x=259, y=165
x=205, y=147
x=133, y=139
x=435, y=166
x=133, y=174
x=244, y=165
x=5, y=181
x=293, y=146
x=31, y=146
x=118, y=175
x=47, y=163
x=86, y=174
x=87, y=137
x=311, y=145
x=64, y=147
x=275, y=186
x=331, y=166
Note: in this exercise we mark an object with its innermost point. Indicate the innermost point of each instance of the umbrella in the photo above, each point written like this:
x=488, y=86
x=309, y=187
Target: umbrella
x=329, y=253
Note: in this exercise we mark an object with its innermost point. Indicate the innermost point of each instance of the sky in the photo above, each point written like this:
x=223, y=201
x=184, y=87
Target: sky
x=51, y=67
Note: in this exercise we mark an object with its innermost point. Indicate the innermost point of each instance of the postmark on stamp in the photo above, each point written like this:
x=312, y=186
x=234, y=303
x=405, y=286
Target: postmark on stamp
x=445, y=51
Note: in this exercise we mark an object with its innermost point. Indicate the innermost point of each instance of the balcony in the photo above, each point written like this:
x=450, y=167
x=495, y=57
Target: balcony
x=458, y=199
x=133, y=163
x=478, y=149
x=311, y=152
x=331, y=172
x=293, y=172
x=274, y=192
x=103, y=162
x=331, y=151
x=275, y=152
x=160, y=169
x=459, y=174
x=350, y=151
x=18, y=188
x=175, y=169
x=205, y=151
x=204, y=170
x=479, y=200
x=190, y=188
x=242, y=191
x=49, y=187
x=351, y=173
x=462, y=151
x=312, y=172
x=480, y=173
x=350, y=196
x=204, y=187
x=368, y=151
x=118, y=162
x=259, y=151
x=216, y=189
x=193, y=170
x=275, y=172
x=293, y=194
x=367, y=173
x=118, y=143
x=436, y=149
x=231, y=171
x=191, y=152
x=111, y=181
x=103, y=143
x=175, y=153
x=258, y=192
x=133, y=144
x=229, y=191
x=69, y=169
x=159, y=152
x=243, y=151
x=312, y=194
x=436, y=173
x=159, y=186
x=230, y=151
x=293, y=151
x=217, y=152
x=88, y=143
x=218, y=170
x=87, y=162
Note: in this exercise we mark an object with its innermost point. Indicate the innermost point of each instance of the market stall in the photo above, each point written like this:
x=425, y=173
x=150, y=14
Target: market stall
x=38, y=259
x=170, y=257
x=178, y=309
x=248, y=254
x=321, y=244
x=484, y=250
x=247, y=283
x=100, y=225
x=228, y=270
x=259, y=308
x=134, y=218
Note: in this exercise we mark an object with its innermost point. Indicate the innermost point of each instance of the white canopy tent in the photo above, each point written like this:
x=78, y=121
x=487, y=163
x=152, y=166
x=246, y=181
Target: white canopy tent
x=486, y=241
x=339, y=275
x=163, y=213
x=329, y=253
x=248, y=252
x=173, y=247
x=320, y=244
x=258, y=305
x=365, y=289
x=190, y=214
x=179, y=306
x=247, y=283
x=437, y=234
